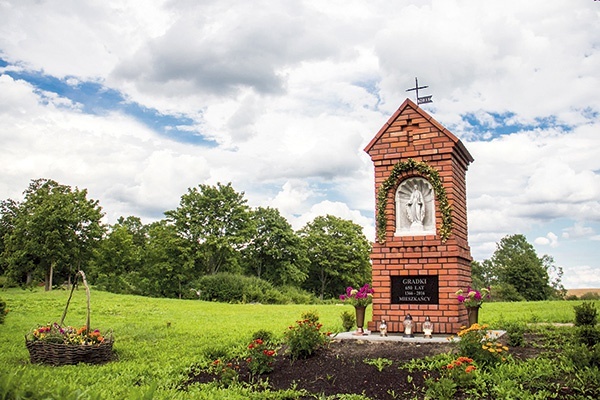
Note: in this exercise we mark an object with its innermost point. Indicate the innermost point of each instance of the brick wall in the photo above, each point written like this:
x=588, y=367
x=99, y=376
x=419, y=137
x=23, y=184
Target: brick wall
x=412, y=133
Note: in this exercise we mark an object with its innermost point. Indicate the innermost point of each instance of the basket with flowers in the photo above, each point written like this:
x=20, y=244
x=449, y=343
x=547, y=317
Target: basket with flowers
x=55, y=344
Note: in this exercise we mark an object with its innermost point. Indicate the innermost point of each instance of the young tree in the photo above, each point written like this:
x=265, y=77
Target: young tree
x=55, y=230
x=275, y=252
x=516, y=263
x=167, y=265
x=339, y=255
x=216, y=221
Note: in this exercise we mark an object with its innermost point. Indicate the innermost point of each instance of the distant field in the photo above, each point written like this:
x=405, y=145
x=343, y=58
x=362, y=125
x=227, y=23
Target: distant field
x=579, y=292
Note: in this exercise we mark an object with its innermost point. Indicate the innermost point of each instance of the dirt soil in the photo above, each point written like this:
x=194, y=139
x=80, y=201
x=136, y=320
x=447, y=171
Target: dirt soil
x=340, y=368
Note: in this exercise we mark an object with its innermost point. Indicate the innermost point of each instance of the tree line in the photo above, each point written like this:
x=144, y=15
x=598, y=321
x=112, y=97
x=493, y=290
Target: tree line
x=56, y=230
x=212, y=240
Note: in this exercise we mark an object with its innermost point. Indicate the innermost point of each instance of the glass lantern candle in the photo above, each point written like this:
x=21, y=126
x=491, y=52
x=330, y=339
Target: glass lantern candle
x=427, y=328
x=408, y=326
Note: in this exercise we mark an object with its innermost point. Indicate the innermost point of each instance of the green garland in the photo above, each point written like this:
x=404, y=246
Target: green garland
x=440, y=193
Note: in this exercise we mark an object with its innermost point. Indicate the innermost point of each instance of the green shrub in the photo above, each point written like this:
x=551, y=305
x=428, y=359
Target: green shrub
x=515, y=333
x=348, y=320
x=3, y=311
x=585, y=314
x=295, y=295
x=231, y=288
x=304, y=338
x=582, y=356
x=506, y=292
x=588, y=335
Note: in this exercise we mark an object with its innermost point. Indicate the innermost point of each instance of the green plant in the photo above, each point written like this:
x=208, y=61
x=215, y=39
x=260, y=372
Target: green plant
x=379, y=363
x=477, y=343
x=515, y=333
x=228, y=373
x=588, y=335
x=348, y=320
x=440, y=389
x=304, y=338
x=358, y=297
x=260, y=357
x=585, y=314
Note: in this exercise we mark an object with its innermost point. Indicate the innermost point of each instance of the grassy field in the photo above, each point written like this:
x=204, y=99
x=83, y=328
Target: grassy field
x=158, y=340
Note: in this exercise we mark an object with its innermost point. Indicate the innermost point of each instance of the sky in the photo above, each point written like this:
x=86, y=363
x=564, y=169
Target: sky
x=139, y=100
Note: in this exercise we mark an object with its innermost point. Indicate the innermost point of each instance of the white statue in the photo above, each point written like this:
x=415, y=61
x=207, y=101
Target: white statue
x=415, y=207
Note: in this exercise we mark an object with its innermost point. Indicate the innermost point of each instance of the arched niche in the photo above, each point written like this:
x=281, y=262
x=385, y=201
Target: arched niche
x=415, y=208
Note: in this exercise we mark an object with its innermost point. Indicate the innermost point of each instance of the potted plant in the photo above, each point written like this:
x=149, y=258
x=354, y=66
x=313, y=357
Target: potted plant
x=472, y=299
x=360, y=299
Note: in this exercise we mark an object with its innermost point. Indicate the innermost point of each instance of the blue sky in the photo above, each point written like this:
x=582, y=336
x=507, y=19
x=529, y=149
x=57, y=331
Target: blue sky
x=138, y=103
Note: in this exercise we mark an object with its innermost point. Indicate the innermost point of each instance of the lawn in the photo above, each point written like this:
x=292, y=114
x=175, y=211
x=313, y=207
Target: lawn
x=158, y=340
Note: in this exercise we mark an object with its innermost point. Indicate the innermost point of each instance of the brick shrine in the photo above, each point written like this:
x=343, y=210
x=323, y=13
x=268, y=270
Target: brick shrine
x=421, y=256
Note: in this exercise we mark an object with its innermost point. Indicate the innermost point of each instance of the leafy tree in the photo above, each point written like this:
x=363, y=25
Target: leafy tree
x=55, y=230
x=339, y=255
x=115, y=258
x=8, y=213
x=216, y=221
x=275, y=252
x=482, y=274
x=167, y=265
x=136, y=228
x=516, y=263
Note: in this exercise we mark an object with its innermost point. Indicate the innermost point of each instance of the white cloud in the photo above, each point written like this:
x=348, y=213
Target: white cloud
x=549, y=240
x=578, y=230
x=291, y=92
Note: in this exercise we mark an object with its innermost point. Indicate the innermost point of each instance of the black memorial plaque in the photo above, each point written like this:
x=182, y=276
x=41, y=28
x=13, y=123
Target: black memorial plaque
x=415, y=289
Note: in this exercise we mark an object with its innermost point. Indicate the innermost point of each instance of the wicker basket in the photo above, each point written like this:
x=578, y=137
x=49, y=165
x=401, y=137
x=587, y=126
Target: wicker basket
x=68, y=354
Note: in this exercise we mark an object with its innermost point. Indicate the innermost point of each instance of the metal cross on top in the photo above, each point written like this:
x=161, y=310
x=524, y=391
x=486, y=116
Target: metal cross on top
x=420, y=100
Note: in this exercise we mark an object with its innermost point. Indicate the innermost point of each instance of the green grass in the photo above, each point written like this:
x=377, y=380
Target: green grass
x=158, y=340
x=150, y=352
x=530, y=312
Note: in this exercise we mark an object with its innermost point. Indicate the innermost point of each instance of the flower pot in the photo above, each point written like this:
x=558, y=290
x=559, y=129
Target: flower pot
x=360, y=319
x=473, y=314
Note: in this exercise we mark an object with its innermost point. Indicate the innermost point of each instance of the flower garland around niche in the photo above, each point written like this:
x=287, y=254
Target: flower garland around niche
x=440, y=193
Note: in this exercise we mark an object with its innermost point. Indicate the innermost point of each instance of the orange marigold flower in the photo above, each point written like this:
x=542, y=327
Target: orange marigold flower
x=470, y=369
